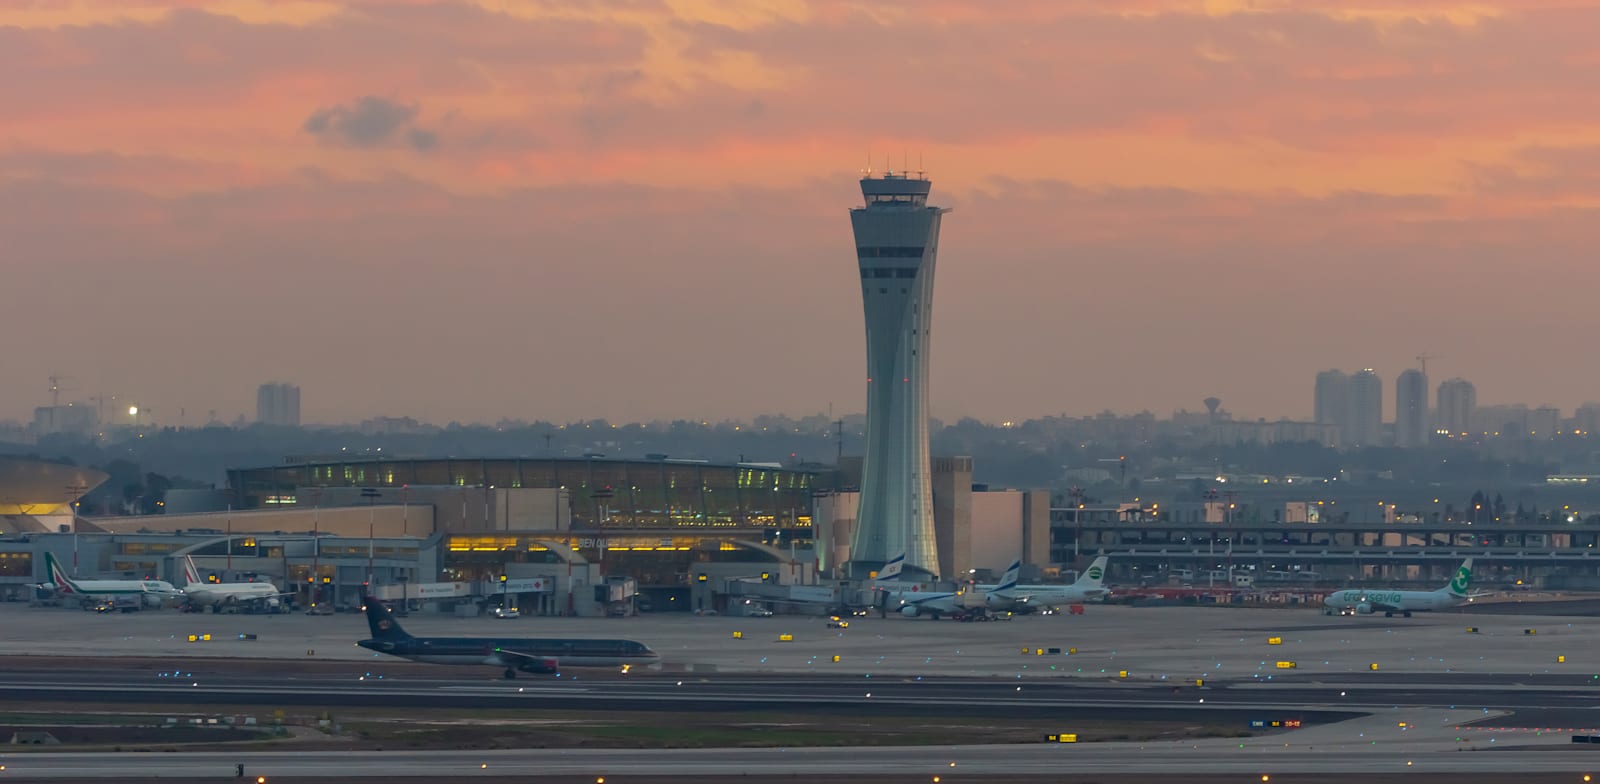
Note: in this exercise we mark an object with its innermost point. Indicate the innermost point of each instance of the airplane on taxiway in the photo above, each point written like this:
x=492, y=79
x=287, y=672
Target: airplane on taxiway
x=1366, y=602
x=543, y=656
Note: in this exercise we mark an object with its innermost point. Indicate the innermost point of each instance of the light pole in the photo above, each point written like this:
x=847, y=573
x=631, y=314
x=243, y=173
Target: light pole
x=316, y=548
x=74, y=495
x=1211, y=537
x=1076, y=493
x=372, y=512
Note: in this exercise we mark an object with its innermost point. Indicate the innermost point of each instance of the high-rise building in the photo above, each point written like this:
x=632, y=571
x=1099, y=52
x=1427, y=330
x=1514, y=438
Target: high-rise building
x=1411, y=409
x=1546, y=421
x=1365, y=427
x=1458, y=402
x=897, y=242
x=1586, y=420
x=278, y=404
x=1507, y=420
x=69, y=418
x=1331, y=401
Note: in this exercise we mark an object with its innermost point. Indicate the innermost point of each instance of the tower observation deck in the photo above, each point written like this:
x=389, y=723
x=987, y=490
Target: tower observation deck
x=897, y=242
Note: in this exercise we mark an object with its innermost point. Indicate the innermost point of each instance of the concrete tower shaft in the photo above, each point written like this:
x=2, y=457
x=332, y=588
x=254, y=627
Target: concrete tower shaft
x=897, y=242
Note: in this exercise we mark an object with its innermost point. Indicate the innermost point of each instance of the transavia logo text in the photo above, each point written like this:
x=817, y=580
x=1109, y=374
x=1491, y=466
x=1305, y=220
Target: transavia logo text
x=1370, y=596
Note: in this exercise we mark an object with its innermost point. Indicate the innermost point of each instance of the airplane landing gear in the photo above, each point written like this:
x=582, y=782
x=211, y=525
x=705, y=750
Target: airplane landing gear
x=511, y=674
x=1408, y=614
x=1388, y=615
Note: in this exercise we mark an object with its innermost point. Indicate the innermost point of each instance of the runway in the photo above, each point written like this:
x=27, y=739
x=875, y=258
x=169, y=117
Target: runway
x=1428, y=744
x=211, y=683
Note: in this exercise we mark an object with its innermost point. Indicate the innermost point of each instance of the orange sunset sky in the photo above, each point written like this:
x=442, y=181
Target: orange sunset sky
x=634, y=209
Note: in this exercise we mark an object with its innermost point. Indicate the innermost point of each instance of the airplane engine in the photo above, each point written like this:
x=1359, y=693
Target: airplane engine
x=1364, y=608
x=909, y=611
x=153, y=600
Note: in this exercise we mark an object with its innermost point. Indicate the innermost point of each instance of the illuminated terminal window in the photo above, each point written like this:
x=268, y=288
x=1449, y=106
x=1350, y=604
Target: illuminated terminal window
x=482, y=544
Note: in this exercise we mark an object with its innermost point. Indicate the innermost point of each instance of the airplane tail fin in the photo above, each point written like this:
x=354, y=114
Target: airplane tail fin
x=191, y=575
x=1008, y=581
x=891, y=570
x=1095, y=575
x=1462, y=581
x=381, y=622
x=58, y=575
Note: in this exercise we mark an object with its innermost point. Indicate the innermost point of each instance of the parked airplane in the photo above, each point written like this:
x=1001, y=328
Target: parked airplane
x=936, y=603
x=214, y=595
x=1364, y=602
x=1089, y=587
x=151, y=593
x=519, y=655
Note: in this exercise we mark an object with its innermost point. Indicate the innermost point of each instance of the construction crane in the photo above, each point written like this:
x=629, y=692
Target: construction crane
x=100, y=402
x=56, y=389
x=1422, y=360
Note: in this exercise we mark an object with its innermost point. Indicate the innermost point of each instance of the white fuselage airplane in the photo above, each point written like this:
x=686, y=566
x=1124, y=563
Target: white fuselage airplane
x=206, y=594
x=1365, y=602
x=1090, y=586
x=151, y=593
x=913, y=602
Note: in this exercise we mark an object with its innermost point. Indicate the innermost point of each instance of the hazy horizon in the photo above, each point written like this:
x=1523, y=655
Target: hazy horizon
x=637, y=210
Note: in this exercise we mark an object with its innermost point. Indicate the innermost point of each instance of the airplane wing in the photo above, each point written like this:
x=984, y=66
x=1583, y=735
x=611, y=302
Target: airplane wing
x=527, y=661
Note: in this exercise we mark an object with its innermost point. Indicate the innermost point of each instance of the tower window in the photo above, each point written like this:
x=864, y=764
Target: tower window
x=889, y=252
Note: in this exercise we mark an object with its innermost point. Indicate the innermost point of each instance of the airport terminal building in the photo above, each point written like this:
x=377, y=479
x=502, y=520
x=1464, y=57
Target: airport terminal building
x=571, y=536
x=592, y=535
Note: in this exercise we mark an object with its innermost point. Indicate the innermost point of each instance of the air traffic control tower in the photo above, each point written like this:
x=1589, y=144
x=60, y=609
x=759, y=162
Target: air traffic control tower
x=897, y=241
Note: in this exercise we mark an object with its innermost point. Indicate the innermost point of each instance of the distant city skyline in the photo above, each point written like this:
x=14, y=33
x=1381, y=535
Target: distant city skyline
x=1452, y=399
x=170, y=415
x=566, y=210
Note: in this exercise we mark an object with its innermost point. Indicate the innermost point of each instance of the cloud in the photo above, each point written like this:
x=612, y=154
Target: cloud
x=422, y=140
x=369, y=121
